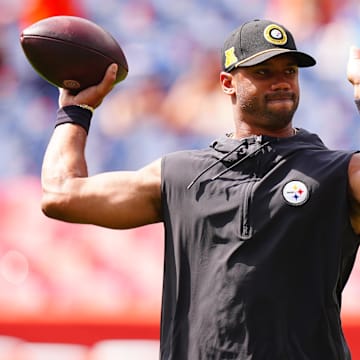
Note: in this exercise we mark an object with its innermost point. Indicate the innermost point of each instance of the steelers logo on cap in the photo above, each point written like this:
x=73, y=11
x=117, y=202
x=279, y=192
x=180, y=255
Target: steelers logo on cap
x=275, y=34
x=295, y=193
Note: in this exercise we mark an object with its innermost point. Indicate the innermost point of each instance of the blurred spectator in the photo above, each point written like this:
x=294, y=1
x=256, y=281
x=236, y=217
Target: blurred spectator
x=304, y=17
x=195, y=102
x=9, y=11
x=34, y=10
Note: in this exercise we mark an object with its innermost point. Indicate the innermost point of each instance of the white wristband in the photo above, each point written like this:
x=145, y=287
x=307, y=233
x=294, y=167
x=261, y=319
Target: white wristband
x=87, y=107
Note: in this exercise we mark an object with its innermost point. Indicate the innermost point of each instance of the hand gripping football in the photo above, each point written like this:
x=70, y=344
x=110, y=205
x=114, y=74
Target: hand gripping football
x=72, y=52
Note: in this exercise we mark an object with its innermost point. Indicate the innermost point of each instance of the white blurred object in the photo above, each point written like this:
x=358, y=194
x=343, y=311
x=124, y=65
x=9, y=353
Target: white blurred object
x=51, y=351
x=14, y=267
x=8, y=347
x=125, y=349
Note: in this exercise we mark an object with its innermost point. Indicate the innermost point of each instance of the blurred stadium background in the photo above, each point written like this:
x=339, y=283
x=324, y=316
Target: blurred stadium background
x=82, y=292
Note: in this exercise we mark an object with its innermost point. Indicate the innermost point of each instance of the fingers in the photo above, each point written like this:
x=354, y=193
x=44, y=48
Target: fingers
x=109, y=79
x=354, y=52
x=353, y=70
x=94, y=95
x=111, y=73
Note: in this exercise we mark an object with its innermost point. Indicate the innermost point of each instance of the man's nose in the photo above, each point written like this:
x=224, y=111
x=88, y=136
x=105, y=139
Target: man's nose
x=280, y=83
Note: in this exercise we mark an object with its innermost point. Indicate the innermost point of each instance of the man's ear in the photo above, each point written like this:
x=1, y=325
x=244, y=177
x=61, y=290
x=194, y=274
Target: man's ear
x=226, y=80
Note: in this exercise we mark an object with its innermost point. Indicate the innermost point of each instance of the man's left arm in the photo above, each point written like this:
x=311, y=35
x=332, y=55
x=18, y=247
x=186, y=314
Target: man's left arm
x=353, y=75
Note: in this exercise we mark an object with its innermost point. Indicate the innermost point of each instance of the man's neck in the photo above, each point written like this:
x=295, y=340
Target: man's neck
x=287, y=131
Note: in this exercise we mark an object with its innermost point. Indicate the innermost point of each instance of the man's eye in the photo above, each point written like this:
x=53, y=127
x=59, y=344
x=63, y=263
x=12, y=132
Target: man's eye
x=291, y=71
x=261, y=72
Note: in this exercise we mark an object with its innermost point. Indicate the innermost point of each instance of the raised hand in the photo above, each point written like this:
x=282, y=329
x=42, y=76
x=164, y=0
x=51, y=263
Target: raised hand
x=353, y=70
x=92, y=96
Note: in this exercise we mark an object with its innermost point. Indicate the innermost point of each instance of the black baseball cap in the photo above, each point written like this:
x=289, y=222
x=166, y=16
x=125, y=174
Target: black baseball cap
x=257, y=41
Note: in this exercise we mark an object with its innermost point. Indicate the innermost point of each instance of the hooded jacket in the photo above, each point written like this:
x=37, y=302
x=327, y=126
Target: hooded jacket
x=258, y=248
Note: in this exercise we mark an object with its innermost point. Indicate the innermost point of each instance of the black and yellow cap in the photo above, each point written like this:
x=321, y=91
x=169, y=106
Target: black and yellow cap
x=257, y=41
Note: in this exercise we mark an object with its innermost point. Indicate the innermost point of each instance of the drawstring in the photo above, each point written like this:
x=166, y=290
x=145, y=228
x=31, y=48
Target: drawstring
x=239, y=161
x=230, y=167
x=212, y=165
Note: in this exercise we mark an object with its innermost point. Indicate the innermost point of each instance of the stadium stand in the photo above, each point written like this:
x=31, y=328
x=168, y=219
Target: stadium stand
x=86, y=293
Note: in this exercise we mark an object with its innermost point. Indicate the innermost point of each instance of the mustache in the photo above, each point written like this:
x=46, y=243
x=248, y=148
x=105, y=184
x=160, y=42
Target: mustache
x=281, y=95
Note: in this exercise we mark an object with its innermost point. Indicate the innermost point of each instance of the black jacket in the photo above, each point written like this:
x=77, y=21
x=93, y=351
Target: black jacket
x=258, y=249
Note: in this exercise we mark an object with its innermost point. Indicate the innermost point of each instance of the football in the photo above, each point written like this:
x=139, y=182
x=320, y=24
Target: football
x=72, y=52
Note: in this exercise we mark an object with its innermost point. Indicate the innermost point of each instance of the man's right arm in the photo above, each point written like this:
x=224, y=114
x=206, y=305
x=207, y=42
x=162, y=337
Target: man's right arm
x=119, y=199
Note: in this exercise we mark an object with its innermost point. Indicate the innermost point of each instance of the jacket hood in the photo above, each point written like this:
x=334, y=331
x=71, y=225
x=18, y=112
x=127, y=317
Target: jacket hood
x=302, y=139
x=232, y=152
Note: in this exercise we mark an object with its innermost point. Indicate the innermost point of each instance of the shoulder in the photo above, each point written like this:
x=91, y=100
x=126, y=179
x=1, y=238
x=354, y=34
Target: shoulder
x=182, y=166
x=186, y=158
x=150, y=174
x=354, y=191
x=354, y=161
x=354, y=171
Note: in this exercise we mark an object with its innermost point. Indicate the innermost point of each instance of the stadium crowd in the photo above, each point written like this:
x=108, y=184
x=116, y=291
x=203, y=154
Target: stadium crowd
x=172, y=91
x=171, y=100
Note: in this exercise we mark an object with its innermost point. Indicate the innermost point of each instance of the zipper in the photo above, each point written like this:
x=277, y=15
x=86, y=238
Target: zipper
x=246, y=229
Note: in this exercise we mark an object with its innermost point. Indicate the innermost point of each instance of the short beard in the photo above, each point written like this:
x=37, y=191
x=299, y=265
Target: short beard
x=271, y=120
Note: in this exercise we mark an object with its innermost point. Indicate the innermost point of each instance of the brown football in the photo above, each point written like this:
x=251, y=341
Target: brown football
x=72, y=52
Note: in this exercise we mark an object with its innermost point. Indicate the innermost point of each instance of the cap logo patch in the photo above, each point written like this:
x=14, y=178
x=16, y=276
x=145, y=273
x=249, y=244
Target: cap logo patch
x=230, y=57
x=295, y=193
x=274, y=34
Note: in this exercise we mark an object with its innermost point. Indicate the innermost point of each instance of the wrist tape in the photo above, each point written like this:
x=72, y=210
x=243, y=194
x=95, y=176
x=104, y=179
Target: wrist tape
x=75, y=114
